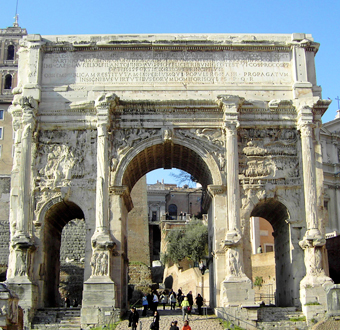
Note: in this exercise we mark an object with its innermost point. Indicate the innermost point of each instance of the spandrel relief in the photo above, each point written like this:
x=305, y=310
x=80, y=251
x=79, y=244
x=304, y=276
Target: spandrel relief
x=125, y=139
x=65, y=156
x=211, y=138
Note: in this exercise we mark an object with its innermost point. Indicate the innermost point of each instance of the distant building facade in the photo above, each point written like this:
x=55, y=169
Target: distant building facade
x=9, y=45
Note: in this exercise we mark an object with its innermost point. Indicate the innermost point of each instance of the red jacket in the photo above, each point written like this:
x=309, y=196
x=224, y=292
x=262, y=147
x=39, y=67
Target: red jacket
x=186, y=327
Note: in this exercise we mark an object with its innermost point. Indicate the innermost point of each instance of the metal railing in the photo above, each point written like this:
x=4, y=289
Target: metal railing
x=233, y=320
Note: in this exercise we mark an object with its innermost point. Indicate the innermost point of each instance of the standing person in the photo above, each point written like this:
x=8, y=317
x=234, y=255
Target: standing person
x=179, y=297
x=164, y=299
x=145, y=304
x=173, y=300
x=149, y=297
x=185, y=306
x=186, y=325
x=154, y=301
x=155, y=321
x=190, y=299
x=199, y=303
x=133, y=319
x=67, y=302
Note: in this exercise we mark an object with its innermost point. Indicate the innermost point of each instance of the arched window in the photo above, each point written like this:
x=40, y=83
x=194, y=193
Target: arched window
x=8, y=81
x=10, y=53
x=173, y=212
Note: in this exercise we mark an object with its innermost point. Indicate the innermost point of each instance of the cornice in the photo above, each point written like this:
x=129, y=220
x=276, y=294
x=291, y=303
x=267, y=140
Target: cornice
x=174, y=42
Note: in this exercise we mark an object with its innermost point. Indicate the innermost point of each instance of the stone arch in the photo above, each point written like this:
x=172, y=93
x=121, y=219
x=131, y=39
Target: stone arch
x=184, y=154
x=57, y=213
x=278, y=215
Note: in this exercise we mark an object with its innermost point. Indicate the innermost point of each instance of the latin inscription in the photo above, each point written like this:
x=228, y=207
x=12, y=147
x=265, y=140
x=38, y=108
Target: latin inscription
x=228, y=67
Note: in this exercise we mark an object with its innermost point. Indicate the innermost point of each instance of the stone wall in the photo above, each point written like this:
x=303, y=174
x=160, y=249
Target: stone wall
x=263, y=266
x=72, y=255
x=138, y=226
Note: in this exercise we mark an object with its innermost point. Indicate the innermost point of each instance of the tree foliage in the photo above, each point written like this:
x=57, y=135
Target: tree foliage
x=189, y=242
x=184, y=177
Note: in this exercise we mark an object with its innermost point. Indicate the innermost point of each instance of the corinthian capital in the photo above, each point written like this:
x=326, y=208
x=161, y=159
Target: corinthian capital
x=230, y=101
x=104, y=104
x=106, y=100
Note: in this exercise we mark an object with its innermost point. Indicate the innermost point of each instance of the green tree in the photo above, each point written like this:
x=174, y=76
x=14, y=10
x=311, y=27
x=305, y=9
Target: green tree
x=189, y=242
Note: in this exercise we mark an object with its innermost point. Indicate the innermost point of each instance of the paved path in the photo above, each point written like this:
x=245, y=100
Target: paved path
x=196, y=322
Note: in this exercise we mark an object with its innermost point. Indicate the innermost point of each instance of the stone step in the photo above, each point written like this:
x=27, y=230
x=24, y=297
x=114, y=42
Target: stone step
x=282, y=325
x=57, y=318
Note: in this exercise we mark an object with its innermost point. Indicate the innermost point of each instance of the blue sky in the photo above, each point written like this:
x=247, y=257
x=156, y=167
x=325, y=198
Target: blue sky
x=319, y=18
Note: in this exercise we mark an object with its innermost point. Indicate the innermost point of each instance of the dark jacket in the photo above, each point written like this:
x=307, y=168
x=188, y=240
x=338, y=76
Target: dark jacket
x=133, y=319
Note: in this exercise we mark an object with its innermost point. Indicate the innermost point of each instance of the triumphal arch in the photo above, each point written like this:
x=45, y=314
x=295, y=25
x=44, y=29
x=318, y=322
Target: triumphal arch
x=92, y=114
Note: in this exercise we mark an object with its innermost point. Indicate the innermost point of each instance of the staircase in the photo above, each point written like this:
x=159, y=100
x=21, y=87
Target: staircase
x=57, y=318
x=281, y=318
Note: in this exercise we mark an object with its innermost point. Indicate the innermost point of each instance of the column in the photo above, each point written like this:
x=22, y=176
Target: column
x=236, y=289
x=314, y=285
x=101, y=237
x=20, y=264
x=27, y=108
x=99, y=294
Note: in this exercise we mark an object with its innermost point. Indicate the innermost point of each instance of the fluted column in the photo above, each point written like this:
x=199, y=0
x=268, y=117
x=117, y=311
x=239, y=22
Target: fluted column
x=104, y=105
x=309, y=179
x=314, y=285
x=235, y=280
x=27, y=107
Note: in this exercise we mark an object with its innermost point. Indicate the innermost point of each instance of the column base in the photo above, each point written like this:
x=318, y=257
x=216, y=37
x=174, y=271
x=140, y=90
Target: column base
x=98, y=305
x=313, y=296
x=237, y=291
x=27, y=292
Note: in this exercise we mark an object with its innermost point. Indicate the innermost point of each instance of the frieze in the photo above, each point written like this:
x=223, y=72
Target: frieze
x=142, y=106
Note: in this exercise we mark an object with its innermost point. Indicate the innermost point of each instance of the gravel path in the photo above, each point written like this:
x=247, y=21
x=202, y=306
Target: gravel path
x=196, y=322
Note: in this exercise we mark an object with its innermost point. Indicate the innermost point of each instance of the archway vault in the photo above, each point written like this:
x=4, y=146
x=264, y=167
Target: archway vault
x=272, y=210
x=167, y=156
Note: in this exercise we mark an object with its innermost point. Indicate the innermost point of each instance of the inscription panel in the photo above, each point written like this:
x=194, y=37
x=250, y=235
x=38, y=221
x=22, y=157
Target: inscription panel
x=143, y=67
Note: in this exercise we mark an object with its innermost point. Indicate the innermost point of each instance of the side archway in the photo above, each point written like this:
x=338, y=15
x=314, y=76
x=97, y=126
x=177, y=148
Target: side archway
x=56, y=218
x=278, y=215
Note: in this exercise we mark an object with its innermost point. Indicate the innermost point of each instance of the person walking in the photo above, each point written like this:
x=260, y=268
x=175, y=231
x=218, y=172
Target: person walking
x=185, y=308
x=155, y=321
x=173, y=300
x=155, y=301
x=145, y=304
x=164, y=299
x=199, y=303
x=186, y=325
x=190, y=299
x=133, y=319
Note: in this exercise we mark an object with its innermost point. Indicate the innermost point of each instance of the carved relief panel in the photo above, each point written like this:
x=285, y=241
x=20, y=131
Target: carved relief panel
x=64, y=157
x=269, y=154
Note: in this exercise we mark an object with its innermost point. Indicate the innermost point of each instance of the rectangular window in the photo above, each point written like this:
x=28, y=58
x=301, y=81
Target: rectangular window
x=0, y=150
x=13, y=150
x=1, y=133
x=2, y=114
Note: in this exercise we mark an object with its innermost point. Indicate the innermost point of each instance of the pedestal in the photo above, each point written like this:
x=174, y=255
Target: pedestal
x=27, y=292
x=237, y=291
x=98, y=305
